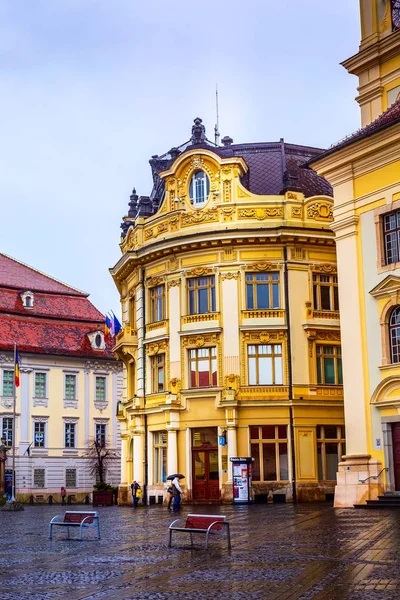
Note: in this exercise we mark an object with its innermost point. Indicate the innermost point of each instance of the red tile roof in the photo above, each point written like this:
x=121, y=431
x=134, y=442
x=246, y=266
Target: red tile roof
x=50, y=305
x=387, y=119
x=17, y=275
x=44, y=336
x=59, y=321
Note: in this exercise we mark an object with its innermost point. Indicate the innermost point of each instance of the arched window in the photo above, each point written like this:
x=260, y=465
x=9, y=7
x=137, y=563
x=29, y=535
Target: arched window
x=394, y=334
x=199, y=188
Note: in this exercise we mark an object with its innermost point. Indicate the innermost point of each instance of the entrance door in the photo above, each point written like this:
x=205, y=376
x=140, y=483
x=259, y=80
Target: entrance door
x=205, y=475
x=396, y=454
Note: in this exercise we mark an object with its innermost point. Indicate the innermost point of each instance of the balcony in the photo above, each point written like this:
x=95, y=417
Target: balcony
x=157, y=328
x=206, y=319
x=311, y=313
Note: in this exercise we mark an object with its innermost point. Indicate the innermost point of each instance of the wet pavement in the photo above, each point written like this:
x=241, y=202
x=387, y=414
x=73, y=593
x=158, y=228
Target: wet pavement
x=279, y=552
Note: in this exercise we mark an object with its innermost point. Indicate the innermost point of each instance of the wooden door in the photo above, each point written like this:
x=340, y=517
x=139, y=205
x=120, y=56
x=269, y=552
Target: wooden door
x=205, y=475
x=396, y=454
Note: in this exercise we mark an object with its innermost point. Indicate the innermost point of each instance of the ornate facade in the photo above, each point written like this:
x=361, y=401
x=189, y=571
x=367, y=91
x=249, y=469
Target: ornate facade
x=365, y=174
x=231, y=333
x=69, y=384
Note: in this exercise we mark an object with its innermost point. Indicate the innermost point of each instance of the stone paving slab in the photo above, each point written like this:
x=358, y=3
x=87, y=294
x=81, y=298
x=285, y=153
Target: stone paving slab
x=279, y=552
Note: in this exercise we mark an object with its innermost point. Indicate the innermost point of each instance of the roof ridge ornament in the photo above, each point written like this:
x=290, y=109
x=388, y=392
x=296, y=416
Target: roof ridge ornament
x=198, y=132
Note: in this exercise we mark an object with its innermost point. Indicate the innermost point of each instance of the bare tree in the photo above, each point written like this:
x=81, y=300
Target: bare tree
x=99, y=457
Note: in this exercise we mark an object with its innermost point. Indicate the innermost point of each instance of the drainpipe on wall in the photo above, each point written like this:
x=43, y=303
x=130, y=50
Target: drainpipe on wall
x=290, y=373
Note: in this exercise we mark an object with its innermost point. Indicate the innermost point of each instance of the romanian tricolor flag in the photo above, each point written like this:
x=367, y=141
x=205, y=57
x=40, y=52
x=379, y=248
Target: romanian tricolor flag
x=107, y=325
x=16, y=368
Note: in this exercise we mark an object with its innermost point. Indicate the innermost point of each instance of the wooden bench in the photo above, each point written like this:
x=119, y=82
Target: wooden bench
x=206, y=524
x=76, y=518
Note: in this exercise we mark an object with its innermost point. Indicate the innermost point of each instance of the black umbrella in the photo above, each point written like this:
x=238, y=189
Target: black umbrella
x=178, y=475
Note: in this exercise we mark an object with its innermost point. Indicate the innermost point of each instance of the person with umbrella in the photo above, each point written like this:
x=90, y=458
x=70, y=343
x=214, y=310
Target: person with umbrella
x=176, y=489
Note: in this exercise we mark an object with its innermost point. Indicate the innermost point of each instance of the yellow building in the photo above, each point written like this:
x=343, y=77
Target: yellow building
x=364, y=171
x=69, y=385
x=230, y=324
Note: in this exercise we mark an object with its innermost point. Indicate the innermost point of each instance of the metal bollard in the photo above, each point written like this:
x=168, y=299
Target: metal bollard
x=50, y=499
x=69, y=500
x=30, y=499
x=87, y=500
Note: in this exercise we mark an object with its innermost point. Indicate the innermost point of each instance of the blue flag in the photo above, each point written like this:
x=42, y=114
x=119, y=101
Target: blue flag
x=117, y=325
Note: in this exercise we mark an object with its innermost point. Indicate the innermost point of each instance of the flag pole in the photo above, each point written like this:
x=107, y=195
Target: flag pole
x=13, y=429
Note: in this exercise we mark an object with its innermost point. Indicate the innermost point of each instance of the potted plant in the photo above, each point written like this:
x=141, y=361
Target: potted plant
x=99, y=456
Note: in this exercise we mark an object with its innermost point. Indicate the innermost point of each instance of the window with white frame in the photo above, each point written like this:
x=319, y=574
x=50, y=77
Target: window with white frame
x=39, y=434
x=199, y=189
x=8, y=383
x=203, y=367
x=160, y=456
x=39, y=478
x=40, y=385
x=265, y=364
x=69, y=434
x=70, y=386
x=101, y=433
x=7, y=430
x=100, y=388
x=70, y=478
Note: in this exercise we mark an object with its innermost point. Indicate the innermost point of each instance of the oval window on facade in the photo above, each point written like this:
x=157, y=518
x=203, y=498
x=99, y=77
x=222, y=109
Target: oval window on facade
x=199, y=189
x=98, y=340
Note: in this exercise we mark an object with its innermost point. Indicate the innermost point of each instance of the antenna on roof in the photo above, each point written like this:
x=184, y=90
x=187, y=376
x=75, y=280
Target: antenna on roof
x=216, y=128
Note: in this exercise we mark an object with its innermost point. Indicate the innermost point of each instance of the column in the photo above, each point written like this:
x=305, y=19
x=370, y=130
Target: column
x=24, y=422
x=172, y=452
x=230, y=312
x=232, y=449
x=124, y=454
x=138, y=457
x=140, y=320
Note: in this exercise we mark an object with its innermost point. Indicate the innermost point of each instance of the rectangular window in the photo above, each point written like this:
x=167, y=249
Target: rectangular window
x=201, y=295
x=39, y=433
x=331, y=446
x=265, y=364
x=100, y=389
x=325, y=292
x=269, y=449
x=7, y=430
x=262, y=291
x=101, y=433
x=157, y=373
x=157, y=303
x=203, y=367
x=391, y=231
x=8, y=383
x=70, y=387
x=39, y=478
x=70, y=478
x=160, y=456
x=329, y=365
x=40, y=385
x=70, y=435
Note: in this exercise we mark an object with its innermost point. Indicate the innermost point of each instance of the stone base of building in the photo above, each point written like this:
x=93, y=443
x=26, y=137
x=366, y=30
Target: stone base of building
x=124, y=495
x=357, y=480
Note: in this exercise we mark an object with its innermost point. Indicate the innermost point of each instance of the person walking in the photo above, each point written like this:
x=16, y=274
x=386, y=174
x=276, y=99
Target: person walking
x=170, y=491
x=177, y=491
x=136, y=493
x=63, y=493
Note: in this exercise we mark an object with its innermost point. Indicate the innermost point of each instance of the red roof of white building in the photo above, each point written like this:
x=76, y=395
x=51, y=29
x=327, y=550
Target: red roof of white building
x=58, y=320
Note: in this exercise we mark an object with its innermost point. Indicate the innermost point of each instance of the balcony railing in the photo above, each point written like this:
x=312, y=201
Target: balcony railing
x=156, y=325
x=264, y=314
x=201, y=318
x=260, y=392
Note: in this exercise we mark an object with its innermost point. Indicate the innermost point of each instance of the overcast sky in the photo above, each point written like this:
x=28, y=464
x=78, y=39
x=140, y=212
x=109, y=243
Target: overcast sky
x=90, y=89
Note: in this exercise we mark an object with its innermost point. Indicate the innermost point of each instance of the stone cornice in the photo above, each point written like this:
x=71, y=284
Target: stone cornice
x=346, y=226
x=373, y=55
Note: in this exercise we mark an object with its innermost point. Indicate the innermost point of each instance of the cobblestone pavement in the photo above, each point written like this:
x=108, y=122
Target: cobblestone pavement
x=279, y=552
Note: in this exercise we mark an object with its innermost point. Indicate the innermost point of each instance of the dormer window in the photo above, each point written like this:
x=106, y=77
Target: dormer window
x=199, y=189
x=96, y=339
x=27, y=299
